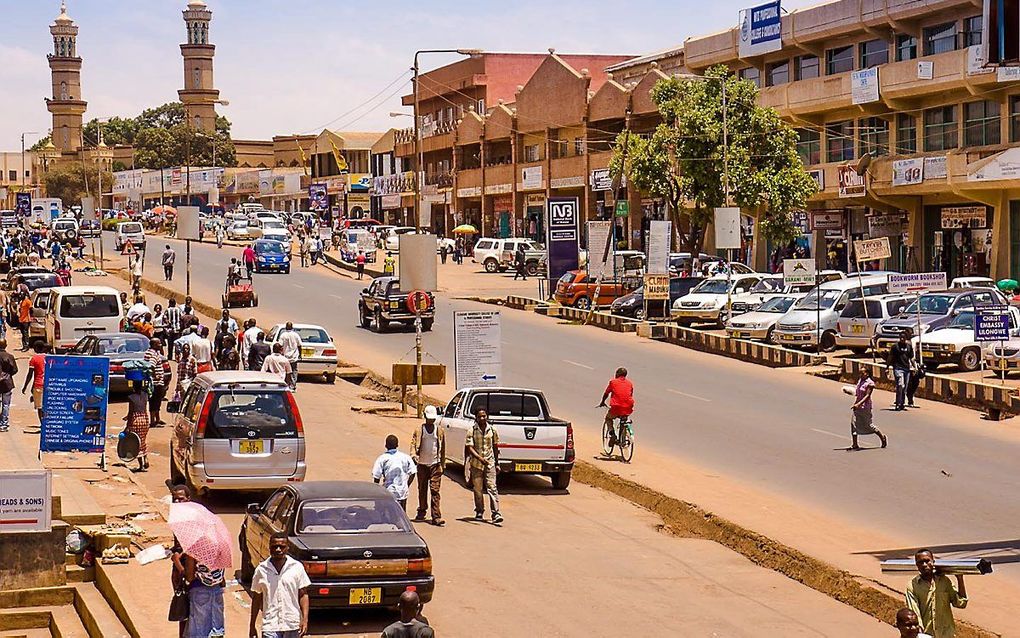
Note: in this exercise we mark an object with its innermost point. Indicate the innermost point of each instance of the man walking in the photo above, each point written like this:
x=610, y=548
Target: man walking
x=36, y=375
x=519, y=263
x=275, y=363
x=408, y=626
x=169, y=257
x=172, y=324
x=395, y=469
x=248, y=256
x=8, y=368
x=900, y=359
x=258, y=352
x=279, y=589
x=25, y=319
x=481, y=448
x=428, y=450
x=932, y=596
x=160, y=379
x=290, y=340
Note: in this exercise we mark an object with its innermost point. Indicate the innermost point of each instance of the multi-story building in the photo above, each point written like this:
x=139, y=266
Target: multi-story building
x=16, y=174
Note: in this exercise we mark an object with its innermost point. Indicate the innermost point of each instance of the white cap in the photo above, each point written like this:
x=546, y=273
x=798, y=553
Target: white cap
x=431, y=413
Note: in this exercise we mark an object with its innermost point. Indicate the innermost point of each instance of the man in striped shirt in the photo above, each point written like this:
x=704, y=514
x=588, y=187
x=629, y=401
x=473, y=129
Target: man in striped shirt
x=172, y=323
x=160, y=378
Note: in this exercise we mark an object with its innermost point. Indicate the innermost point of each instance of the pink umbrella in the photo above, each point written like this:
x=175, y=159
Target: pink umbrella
x=202, y=534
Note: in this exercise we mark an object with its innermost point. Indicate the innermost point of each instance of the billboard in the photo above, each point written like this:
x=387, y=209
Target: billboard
x=561, y=226
x=761, y=29
x=317, y=197
x=74, y=401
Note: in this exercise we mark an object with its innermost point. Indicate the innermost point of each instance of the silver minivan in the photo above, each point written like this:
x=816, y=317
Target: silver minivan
x=858, y=323
x=237, y=430
x=814, y=317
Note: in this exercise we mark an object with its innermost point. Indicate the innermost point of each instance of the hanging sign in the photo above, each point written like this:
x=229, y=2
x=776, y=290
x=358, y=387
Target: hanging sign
x=960, y=216
x=761, y=29
x=850, y=183
x=869, y=249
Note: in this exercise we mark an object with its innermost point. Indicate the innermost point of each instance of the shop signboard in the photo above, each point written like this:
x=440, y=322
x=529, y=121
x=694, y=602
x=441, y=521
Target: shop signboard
x=917, y=282
x=885, y=226
x=851, y=184
x=869, y=249
x=561, y=230
x=827, y=220
x=660, y=232
x=761, y=29
x=656, y=287
x=576, y=181
x=935, y=167
x=798, y=272
x=991, y=324
x=864, y=86
x=531, y=177
x=622, y=208
x=964, y=216
x=74, y=404
x=727, y=228
x=1004, y=165
x=389, y=202
x=601, y=180
x=925, y=70
x=360, y=182
x=908, y=171
x=25, y=500
x=977, y=61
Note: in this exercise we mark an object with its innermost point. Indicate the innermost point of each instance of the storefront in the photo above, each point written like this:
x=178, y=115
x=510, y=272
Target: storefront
x=534, y=217
x=958, y=239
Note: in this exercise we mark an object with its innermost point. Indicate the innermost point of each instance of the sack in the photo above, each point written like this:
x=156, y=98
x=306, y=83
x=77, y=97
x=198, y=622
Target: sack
x=180, y=606
x=919, y=373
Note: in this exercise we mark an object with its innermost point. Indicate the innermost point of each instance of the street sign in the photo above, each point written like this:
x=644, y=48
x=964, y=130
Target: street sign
x=187, y=222
x=727, y=228
x=868, y=249
x=659, y=234
x=128, y=248
x=561, y=231
x=798, y=272
x=478, y=354
x=917, y=282
x=88, y=208
x=622, y=208
x=74, y=404
x=656, y=287
x=25, y=500
x=991, y=324
x=600, y=249
x=418, y=301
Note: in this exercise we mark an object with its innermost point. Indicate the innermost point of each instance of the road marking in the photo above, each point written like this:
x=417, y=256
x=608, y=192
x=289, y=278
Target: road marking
x=689, y=396
x=336, y=296
x=297, y=285
x=838, y=436
x=579, y=365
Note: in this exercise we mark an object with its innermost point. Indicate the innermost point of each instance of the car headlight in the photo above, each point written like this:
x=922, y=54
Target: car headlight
x=811, y=325
x=633, y=301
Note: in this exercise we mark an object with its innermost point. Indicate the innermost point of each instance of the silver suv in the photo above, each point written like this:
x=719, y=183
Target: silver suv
x=490, y=253
x=237, y=431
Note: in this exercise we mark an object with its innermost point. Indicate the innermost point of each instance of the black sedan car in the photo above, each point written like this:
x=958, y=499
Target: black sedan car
x=355, y=541
x=633, y=304
x=119, y=347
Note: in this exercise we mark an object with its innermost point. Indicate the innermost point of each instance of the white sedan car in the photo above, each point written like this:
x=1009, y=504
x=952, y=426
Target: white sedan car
x=318, y=352
x=238, y=231
x=760, y=323
x=392, y=243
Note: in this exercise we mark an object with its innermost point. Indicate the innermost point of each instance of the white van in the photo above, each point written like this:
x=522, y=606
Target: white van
x=815, y=316
x=130, y=231
x=77, y=311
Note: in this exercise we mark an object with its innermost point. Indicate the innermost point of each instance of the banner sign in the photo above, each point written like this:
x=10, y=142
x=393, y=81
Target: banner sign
x=188, y=221
x=531, y=177
x=991, y=324
x=864, y=86
x=317, y=197
x=936, y=167
x=850, y=183
x=26, y=498
x=74, y=404
x=885, y=226
x=561, y=234
x=601, y=180
x=727, y=228
x=960, y=216
x=917, y=282
x=868, y=249
x=478, y=355
x=827, y=220
x=659, y=234
x=23, y=204
x=761, y=29
x=601, y=251
x=908, y=171
x=656, y=287
x=798, y=272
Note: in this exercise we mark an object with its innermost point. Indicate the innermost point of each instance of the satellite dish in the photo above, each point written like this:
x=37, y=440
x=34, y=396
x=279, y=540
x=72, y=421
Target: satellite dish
x=862, y=164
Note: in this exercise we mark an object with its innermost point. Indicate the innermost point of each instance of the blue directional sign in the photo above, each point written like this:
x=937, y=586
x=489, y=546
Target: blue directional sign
x=991, y=324
x=75, y=396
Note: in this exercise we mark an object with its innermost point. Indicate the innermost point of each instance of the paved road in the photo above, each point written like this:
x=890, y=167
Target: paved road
x=764, y=427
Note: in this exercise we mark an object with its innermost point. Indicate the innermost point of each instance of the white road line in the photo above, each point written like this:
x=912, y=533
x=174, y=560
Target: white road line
x=336, y=296
x=689, y=396
x=579, y=365
x=297, y=285
x=838, y=436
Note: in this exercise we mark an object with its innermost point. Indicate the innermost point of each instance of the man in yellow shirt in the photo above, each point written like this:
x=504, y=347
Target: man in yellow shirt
x=932, y=596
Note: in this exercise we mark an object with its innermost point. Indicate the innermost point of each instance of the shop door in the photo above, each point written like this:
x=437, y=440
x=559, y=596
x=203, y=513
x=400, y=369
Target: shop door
x=504, y=225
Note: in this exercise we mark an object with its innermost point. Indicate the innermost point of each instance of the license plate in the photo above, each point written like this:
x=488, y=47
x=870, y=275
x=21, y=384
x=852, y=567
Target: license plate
x=250, y=447
x=365, y=596
x=307, y=352
x=857, y=330
x=528, y=467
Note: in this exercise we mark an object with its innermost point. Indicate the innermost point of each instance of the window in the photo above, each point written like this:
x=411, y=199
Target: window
x=906, y=134
x=940, y=39
x=751, y=74
x=63, y=90
x=940, y=129
x=839, y=60
x=873, y=53
x=778, y=73
x=809, y=146
x=873, y=133
x=579, y=146
x=806, y=67
x=236, y=413
x=1014, y=120
x=480, y=107
x=531, y=153
x=839, y=141
x=12, y=176
x=972, y=31
x=906, y=47
x=89, y=306
x=981, y=123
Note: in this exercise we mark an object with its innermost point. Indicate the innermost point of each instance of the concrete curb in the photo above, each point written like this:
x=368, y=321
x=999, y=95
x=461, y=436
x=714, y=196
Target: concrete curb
x=752, y=351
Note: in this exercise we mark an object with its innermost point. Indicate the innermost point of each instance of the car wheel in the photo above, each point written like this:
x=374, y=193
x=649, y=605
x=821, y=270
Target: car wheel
x=582, y=303
x=770, y=336
x=247, y=569
x=377, y=321
x=491, y=266
x=828, y=343
x=858, y=350
x=639, y=314
x=531, y=268
x=366, y=321
x=560, y=480
x=330, y=377
x=970, y=359
x=176, y=477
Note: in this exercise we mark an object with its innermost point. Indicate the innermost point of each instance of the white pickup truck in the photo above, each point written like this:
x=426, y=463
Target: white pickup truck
x=531, y=441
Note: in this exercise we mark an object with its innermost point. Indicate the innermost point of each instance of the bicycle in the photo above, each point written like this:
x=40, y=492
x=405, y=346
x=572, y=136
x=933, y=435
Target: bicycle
x=623, y=429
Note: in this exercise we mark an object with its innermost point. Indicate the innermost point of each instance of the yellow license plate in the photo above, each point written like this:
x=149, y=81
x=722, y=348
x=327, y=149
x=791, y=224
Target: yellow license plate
x=528, y=467
x=307, y=352
x=857, y=330
x=365, y=596
x=250, y=447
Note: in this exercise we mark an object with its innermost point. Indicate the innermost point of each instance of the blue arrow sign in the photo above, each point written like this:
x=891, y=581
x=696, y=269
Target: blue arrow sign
x=488, y=377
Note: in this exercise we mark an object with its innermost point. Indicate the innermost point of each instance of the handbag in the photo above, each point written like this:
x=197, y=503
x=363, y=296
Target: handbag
x=180, y=606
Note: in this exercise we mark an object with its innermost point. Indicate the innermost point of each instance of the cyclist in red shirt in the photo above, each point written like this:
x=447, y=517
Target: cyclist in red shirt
x=620, y=393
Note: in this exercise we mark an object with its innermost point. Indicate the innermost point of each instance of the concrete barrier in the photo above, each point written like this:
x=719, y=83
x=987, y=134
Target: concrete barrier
x=522, y=303
x=602, y=320
x=996, y=400
x=755, y=352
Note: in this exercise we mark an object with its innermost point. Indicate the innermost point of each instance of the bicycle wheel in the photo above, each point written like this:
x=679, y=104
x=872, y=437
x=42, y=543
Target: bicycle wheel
x=627, y=445
x=607, y=447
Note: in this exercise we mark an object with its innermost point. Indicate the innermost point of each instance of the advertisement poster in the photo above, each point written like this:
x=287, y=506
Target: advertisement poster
x=74, y=404
x=964, y=216
x=908, y=171
x=531, y=177
x=478, y=355
x=917, y=282
x=798, y=272
x=601, y=180
x=869, y=249
x=727, y=228
x=656, y=287
x=561, y=235
x=659, y=234
x=317, y=198
x=25, y=500
x=850, y=183
x=23, y=204
x=600, y=249
x=761, y=29
x=864, y=86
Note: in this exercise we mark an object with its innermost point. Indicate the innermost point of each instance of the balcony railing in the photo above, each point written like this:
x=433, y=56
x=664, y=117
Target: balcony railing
x=442, y=180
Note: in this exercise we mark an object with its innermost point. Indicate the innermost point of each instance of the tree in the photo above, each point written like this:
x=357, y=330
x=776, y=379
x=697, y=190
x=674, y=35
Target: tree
x=683, y=160
x=68, y=183
x=116, y=131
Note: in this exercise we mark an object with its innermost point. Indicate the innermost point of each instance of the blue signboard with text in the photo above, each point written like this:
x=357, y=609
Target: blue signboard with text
x=23, y=204
x=991, y=324
x=761, y=29
x=561, y=232
x=75, y=398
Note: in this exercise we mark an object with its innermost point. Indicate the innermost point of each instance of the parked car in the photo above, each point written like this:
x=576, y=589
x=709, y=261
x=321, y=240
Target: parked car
x=1003, y=357
x=254, y=216
x=130, y=232
x=772, y=284
x=707, y=301
x=955, y=342
x=391, y=240
x=633, y=303
x=77, y=311
x=934, y=310
x=89, y=228
x=272, y=256
x=318, y=352
x=239, y=231
x=119, y=348
x=383, y=302
x=355, y=542
x=760, y=323
x=40, y=306
x=64, y=229
x=576, y=289
x=489, y=251
x=973, y=282
x=814, y=317
x=237, y=430
x=858, y=322
x=531, y=440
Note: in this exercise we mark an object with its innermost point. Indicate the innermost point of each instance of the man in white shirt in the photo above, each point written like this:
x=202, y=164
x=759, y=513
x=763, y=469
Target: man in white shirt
x=251, y=333
x=202, y=349
x=395, y=469
x=138, y=309
x=279, y=589
x=277, y=364
x=190, y=337
x=291, y=342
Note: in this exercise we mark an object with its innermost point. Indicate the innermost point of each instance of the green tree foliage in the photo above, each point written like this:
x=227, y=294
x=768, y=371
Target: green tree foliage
x=683, y=159
x=69, y=183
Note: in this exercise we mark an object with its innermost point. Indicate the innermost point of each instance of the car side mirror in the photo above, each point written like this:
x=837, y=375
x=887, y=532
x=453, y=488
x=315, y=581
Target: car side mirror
x=365, y=291
x=839, y=307
x=254, y=509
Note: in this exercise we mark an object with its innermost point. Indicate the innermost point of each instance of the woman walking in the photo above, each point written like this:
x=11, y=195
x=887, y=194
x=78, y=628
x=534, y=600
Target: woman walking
x=138, y=421
x=179, y=606
x=862, y=423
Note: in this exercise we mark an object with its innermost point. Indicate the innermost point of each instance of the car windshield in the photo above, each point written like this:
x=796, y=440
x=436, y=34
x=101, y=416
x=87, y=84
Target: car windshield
x=711, y=286
x=767, y=285
x=962, y=320
x=123, y=344
x=131, y=228
x=812, y=301
x=776, y=304
x=931, y=305
x=269, y=247
x=247, y=413
x=351, y=516
x=312, y=335
x=88, y=306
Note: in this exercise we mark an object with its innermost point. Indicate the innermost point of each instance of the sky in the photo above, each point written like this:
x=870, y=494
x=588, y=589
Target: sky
x=296, y=66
